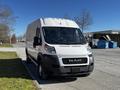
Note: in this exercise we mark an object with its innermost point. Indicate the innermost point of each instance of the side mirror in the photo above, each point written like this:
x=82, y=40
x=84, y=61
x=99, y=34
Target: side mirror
x=37, y=41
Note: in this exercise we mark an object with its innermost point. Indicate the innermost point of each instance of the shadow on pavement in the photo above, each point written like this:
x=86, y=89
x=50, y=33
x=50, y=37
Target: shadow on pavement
x=57, y=80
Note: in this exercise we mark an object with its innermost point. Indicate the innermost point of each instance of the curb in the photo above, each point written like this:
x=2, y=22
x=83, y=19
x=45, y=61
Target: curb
x=34, y=81
x=23, y=58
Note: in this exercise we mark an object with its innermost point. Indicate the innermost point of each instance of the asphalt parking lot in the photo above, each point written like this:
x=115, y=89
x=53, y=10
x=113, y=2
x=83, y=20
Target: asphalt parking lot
x=106, y=75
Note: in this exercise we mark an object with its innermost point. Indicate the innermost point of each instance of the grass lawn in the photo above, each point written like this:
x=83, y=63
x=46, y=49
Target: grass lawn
x=13, y=75
x=6, y=45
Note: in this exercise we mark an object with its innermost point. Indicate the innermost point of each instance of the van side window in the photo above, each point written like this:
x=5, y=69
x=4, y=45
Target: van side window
x=38, y=32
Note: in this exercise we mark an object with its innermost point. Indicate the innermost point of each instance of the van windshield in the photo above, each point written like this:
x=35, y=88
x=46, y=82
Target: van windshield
x=62, y=35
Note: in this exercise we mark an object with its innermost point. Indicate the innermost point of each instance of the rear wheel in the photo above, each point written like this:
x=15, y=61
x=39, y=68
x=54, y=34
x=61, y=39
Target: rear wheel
x=41, y=72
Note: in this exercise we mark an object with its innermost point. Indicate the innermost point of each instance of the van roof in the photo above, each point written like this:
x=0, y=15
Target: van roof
x=57, y=22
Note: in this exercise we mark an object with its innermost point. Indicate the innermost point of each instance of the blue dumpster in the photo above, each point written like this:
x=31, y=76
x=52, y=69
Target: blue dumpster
x=112, y=44
x=103, y=44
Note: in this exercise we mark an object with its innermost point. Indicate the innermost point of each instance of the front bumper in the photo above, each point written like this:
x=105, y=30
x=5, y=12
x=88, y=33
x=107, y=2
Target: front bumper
x=73, y=71
x=51, y=64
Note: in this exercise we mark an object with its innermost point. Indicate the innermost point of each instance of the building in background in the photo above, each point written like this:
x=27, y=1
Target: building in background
x=110, y=35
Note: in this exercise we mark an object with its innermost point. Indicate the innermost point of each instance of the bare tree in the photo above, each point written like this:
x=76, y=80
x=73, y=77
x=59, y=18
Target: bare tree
x=4, y=33
x=13, y=39
x=66, y=16
x=84, y=20
x=7, y=20
x=6, y=15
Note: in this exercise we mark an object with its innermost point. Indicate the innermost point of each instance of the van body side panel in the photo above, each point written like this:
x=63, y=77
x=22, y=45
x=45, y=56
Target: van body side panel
x=31, y=33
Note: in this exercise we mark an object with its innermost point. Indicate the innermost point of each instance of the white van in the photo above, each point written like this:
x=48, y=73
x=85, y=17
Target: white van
x=58, y=47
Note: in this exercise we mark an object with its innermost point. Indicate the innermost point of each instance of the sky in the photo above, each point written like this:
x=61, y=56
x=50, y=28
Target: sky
x=105, y=13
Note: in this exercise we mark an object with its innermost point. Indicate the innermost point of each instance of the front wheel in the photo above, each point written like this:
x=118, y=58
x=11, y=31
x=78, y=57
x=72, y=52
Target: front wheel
x=42, y=74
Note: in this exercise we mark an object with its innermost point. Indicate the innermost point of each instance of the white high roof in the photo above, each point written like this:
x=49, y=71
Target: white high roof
x=58, y=22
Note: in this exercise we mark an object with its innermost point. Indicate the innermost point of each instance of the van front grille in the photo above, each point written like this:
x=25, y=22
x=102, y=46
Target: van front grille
x=74, y=60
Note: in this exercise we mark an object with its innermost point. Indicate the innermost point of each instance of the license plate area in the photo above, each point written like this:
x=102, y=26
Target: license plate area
x=79, y=69
x=75, y=70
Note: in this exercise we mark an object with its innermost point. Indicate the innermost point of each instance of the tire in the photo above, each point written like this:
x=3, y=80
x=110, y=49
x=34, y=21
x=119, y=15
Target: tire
x=42, y=74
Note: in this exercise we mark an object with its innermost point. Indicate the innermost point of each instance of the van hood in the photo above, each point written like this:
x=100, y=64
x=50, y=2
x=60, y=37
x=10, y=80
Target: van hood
x=71, y=50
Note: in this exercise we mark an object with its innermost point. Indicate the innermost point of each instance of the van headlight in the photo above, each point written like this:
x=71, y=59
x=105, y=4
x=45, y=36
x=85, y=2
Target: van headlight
x=50, y=49
x=89, y=49
x=90, y=56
